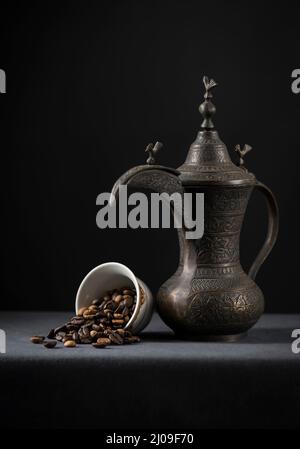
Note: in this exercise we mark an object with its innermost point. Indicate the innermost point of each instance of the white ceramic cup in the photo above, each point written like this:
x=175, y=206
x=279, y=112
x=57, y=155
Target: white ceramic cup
x=112, y=275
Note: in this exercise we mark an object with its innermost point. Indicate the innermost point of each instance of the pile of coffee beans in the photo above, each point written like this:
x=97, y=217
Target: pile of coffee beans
x=100, y=324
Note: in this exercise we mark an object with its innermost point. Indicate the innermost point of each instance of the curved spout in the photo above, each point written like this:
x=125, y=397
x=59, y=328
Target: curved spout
x=155, y=177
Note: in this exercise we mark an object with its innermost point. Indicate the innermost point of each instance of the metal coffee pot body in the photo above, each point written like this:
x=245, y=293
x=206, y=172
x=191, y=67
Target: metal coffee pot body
x=210, y=296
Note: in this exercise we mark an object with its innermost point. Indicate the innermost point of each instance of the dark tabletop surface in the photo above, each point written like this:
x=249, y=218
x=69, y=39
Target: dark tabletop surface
x=161, y=382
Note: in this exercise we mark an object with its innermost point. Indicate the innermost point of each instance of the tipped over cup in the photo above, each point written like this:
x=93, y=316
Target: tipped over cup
x=113, y=275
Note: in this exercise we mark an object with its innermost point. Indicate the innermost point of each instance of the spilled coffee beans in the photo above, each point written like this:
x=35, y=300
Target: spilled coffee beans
x=50, y=344
x=100, y=324
x=37, y=339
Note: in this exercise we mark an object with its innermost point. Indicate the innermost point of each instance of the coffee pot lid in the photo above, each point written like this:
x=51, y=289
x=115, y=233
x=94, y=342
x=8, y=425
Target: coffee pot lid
x=208, y=160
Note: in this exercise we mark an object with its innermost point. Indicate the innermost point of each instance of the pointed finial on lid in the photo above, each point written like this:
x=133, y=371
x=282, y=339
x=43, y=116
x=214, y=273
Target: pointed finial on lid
x=207, y=108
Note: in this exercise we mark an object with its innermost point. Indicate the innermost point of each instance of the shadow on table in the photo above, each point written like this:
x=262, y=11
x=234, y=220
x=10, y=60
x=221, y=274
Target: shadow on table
x=254, y=336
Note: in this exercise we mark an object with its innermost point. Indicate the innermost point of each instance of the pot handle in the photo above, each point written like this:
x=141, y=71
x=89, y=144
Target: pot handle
x=272, y=233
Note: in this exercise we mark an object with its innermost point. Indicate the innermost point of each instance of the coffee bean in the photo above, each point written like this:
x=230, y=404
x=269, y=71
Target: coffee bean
x=70, y=344
x=75, y=337
x=128, y=292
x=125, y=311
x=37, y=339
x=51, y=334
x=93, y=333
x=93, y=308
x=96, y=345
x=118, y=299
x=60, y=336
x=128, y=300
x=60, y=329
x=96, y=302
x=81, y=311
x=116, y=338
x=88, y=324
x=67, y=337
x=84, y=332
x=121, y=332
x=132, y=339
x=96, y=327
x=78, y=321
x=86, y=341
x=103, y=341
x=88, y=314
x=50, y=344
x=118, y=322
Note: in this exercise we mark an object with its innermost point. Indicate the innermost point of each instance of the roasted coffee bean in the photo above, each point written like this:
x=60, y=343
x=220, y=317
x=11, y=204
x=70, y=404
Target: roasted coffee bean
x=118, y=309
x=37, y=339
x=132, y=339
x=118, y=316
x=101, y=307
x=67, y=337
x=86, y=341
x=128, y=292
x=126, y=318
x=61, y=335
x=118, y=299
x=128, y=300
x=93, y=308
x=84, y=332
x=88, y=324
x=51, y=334
x=60, y=329
x=115, y=338
x=109, y=316
x=125, y=311
x=69, y=344
x=121, y=332
x=96, y=327
x=103, y=341
x=81, y=311
x=75, y=337
x=93, y=333
x=50, y=344
x=118, y=322
x=88, y=315
x=96, y=302
x=78, y=321
x=95, y=345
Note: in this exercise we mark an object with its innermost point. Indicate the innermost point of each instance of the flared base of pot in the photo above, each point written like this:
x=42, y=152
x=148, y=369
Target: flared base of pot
x=217, y=338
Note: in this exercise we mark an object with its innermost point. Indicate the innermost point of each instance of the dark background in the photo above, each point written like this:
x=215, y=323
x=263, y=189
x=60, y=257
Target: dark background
x=89, y=84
